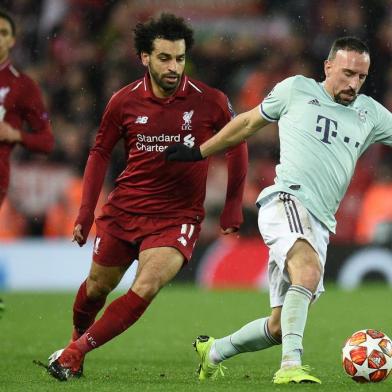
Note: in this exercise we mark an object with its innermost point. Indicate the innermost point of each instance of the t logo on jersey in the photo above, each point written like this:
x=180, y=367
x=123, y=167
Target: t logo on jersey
x=187, y=117
x=328, y=126
x=141, y=120
x=189, y=140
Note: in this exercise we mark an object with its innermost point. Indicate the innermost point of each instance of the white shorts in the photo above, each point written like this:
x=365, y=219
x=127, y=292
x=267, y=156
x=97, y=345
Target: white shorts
x=283, y=220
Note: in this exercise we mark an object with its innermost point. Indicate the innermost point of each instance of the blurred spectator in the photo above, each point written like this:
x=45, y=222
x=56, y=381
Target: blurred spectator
x=12, y=223
x=60, y=217
x=375, y=214
x=78, y=51
x=347, y=214
x=23, y=117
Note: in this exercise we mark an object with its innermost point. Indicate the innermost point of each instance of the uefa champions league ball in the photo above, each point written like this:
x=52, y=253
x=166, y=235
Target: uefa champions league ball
x=367, y=356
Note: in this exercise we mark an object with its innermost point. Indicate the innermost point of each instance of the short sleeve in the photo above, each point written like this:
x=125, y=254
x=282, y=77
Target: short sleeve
x=275, y=104
x=383, y=125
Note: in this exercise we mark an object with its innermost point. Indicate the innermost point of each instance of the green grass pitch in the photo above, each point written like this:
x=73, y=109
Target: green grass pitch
x=156, y=353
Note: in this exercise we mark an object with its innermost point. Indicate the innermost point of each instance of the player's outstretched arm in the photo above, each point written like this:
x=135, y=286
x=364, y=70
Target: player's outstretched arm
x=233, y=133
x=93, y=179
x=109, y=133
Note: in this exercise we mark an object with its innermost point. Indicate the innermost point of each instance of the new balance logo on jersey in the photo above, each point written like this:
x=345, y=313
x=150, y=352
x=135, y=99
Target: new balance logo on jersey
x=189, y=140
x=314, y=102
x=141, y=120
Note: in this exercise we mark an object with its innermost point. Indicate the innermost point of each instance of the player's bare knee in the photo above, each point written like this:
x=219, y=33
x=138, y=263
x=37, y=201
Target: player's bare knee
x=305, y=269
x=146, y=289
x=309, y=277
x=97, y=287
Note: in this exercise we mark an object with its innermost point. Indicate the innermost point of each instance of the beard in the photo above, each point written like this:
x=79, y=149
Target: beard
x=339, y=99
x=165, y=86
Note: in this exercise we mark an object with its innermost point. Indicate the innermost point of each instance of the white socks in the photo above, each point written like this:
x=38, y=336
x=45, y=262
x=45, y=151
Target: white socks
x=293, y=321
x=253, y=336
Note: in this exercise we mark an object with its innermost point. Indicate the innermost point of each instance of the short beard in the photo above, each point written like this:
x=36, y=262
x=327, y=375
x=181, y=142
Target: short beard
x=342, y=102
x=167, y=88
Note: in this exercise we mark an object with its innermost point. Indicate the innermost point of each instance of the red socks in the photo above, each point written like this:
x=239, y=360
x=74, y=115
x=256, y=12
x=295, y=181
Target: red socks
x=84, y=311
x=118, y=316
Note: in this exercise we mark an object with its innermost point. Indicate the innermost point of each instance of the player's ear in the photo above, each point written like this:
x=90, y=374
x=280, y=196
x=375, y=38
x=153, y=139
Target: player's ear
x=327, y=68
x=145, y=57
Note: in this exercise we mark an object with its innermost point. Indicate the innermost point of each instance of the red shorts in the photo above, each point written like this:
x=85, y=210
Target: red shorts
x=118, y=243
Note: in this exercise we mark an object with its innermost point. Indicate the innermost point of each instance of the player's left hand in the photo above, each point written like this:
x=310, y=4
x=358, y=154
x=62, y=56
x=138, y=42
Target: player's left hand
x=229, y=230
x=8, y=134
x=78, y=236
x=180, y=152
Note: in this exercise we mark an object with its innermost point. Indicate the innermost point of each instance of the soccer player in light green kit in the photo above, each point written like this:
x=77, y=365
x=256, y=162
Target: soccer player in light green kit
x=323, y=129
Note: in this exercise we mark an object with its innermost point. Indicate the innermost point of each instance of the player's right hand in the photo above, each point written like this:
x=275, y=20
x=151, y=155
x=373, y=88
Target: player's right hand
x=77, y=235
x=180, y=152
x=9, y=134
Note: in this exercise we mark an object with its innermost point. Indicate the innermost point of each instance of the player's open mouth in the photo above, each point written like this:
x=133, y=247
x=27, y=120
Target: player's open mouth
x=171, y=79
x=349, y=94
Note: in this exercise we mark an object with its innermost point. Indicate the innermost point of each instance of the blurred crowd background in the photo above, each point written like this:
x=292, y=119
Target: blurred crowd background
x=81, y=51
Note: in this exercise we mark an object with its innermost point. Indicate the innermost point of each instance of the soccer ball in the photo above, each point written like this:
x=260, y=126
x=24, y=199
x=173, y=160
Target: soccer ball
x=367, y=356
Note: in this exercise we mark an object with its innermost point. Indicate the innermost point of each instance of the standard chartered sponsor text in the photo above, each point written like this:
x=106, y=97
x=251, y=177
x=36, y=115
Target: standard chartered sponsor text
x=145, y=142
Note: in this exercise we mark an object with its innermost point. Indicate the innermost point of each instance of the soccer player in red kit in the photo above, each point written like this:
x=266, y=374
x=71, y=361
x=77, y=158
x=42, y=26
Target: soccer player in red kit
x=156, y=208
x=20, y=103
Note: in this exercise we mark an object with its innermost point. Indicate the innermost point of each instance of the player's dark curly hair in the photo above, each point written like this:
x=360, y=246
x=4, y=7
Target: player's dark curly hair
x=347, y=43
x=168, y=26
x=9, y=19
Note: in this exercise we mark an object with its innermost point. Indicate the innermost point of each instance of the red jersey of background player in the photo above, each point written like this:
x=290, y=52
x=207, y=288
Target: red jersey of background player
x=147, y=124
x=20, y=103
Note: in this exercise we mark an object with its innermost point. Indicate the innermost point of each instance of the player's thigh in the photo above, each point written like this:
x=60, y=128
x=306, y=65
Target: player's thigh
x=284, y=221
x=111, y=259
x=157, y=266
x=303, y=264
x=171, y=234
x=163, y=253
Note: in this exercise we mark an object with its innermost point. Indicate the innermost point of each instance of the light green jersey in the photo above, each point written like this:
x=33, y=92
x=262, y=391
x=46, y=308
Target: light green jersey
x=320, y=142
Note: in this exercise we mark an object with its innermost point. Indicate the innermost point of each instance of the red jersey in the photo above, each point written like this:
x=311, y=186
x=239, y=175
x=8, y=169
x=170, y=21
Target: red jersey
x=149, y=185
x=20, y=103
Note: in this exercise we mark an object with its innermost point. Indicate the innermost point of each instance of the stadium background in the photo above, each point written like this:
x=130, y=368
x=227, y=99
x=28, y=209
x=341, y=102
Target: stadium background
x=81, y=51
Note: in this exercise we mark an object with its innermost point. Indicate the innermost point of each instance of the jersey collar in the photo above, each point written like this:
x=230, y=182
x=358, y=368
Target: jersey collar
x=181, y=91
x=351, y=104
x=326, y=93
x=5, y=64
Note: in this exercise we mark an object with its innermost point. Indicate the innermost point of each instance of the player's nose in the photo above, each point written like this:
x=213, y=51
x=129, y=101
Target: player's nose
x=355, y=83
x=173, y=65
